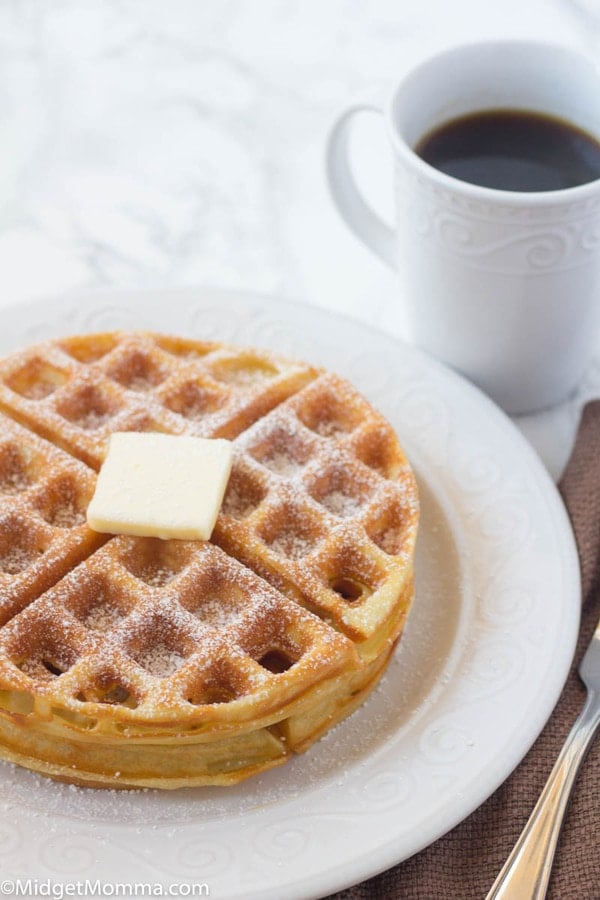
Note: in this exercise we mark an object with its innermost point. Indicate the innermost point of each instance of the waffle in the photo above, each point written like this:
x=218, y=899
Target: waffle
x=130, y=661
x=78, y=391
x=44, y=494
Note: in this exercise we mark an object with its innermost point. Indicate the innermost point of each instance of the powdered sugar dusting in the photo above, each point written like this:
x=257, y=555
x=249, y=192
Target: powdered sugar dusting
x=341, y=504
x=390, y=540
x=14, y=477
x=292, y=545
x=66, y=515
x=46, y=384
x=161, y=661
x=91, y=420
x=102, y=617
x=282, y=464
x=237, y=504
x=218, y=612
x=158, y=577
x=246, y=376
x=329, y=428
x=14, y=482
x=32, y=668
x=140, y=383
x=15, y=560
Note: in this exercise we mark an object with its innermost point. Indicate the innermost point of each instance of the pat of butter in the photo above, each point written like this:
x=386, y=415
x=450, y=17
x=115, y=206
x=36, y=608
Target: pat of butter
x=160, y=485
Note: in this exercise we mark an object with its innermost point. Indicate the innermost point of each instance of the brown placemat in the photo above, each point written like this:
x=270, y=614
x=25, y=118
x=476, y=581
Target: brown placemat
x=464, y=863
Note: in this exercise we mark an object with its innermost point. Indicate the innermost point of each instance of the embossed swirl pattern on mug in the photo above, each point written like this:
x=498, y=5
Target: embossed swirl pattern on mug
x=546, y=242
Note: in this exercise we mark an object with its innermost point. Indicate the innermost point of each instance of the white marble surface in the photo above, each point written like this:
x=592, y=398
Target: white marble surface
x=152, y=143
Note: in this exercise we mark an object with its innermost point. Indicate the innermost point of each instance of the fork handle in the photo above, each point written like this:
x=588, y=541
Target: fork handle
x=526, y=872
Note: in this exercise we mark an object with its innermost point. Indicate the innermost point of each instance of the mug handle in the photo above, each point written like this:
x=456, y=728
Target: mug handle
x=356, y=212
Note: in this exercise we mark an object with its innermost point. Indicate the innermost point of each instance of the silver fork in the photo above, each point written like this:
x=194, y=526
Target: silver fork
x=526, y=872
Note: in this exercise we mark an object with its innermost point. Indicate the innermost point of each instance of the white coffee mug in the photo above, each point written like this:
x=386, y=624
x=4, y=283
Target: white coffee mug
x=503, y=286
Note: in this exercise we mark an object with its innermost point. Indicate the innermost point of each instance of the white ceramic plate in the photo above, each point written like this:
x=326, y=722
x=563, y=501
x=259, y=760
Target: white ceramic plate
x=475, y=677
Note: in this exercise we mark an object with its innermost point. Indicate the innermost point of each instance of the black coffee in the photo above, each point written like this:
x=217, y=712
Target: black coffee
x=513, y=150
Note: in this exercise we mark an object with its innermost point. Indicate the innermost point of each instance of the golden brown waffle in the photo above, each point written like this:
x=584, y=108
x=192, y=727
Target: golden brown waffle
x=322, y=503
x=76, y=392
x=44, y=494
x=170, y=640
x=176, y=663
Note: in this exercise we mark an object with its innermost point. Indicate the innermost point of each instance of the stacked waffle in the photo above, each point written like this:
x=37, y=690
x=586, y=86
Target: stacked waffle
x=137, y=662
